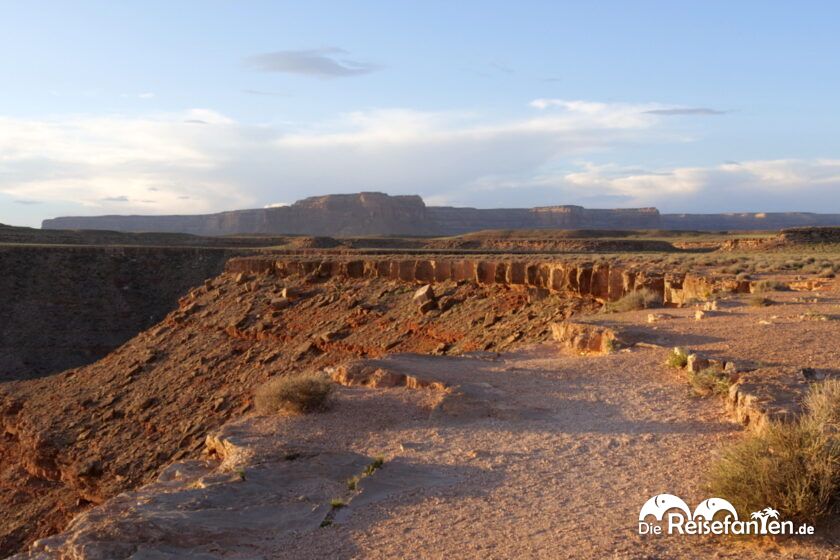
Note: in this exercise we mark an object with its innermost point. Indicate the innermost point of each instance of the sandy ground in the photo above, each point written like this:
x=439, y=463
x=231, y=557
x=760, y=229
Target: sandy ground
x=566, y=479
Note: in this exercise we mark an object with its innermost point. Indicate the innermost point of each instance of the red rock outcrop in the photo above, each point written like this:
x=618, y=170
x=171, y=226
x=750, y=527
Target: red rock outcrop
x=600, y=281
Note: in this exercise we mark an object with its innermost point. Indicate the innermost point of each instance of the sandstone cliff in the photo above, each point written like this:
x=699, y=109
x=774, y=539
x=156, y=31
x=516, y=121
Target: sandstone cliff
x=371, y=213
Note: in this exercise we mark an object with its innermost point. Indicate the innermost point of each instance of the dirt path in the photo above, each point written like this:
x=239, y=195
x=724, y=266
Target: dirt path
x=586, y=443
x=545, y=456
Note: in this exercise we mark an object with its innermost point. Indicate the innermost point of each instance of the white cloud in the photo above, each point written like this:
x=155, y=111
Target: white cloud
x=771, y=185
x=203, y=161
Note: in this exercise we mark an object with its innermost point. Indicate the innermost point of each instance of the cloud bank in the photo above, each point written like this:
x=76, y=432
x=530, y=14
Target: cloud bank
x=169, y=163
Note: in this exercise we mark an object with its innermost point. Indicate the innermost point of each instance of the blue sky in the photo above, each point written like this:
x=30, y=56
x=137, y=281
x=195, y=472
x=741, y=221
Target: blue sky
x=185, y=107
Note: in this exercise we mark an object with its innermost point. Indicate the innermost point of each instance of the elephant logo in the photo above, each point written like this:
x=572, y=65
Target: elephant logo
x=708, y=508
x=673, y=517
x=659, y=504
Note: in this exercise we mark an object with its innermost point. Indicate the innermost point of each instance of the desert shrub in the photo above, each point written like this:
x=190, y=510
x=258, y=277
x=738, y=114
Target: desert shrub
x=770, y=286
x=709, y=381
x=759, y=301
x=677, y=358
x=299, y=393
x=375, y=465
x=793, y=467
x=635, y=300
x=734, y=269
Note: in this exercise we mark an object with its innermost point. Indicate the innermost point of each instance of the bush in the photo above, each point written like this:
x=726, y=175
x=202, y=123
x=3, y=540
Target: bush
x=759, y=301
x=633, y=301
x=678, y=358
x=793, y=467
x=300, y=393
x=770, y=286
x=709, y=381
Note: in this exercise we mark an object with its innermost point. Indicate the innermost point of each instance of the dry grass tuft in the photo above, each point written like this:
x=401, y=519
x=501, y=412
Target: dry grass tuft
x=709, y=381
x=635, y=300
x=759, y=301
x=770, y=286
x=297, y=394
x=793, y=467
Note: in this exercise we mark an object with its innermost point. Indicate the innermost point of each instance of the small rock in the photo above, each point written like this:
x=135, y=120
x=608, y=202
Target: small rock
x=330, y=336
x=424, y=295
x=696, y=363
x=90, y=469
x=447, y=303
x=810, y=374
x=280, y=303
x=304, y=349
x=428, y=306
x=490, y=319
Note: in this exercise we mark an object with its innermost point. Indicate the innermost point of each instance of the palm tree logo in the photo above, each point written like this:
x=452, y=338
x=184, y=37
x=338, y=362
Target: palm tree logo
x=770, y=512
x=764, y=515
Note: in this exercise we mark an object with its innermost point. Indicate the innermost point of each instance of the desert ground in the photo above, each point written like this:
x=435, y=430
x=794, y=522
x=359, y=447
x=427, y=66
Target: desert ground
x=493, y=395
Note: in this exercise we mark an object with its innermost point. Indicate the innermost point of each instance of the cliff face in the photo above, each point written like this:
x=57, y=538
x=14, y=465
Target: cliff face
x=335, y=215
x=69, y=306
x=747, y=221
x=371, y=213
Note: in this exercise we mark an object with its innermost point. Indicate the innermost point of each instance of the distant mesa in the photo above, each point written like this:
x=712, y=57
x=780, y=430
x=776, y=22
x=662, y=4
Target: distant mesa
x=374, y=213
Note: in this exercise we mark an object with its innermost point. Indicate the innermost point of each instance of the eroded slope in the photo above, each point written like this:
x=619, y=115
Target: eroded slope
x=79, y=437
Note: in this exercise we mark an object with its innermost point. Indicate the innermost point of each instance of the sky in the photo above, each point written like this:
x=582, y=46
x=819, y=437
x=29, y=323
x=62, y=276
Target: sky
x=184, y=107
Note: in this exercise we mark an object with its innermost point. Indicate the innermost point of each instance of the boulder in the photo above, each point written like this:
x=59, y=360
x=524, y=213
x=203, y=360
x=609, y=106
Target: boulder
x=424, y=295
x=585, y=338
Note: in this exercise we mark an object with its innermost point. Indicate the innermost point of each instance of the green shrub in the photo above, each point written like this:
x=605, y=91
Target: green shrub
x=374, y=466
x=793, y=467
x=299, y=393
x=678, y=358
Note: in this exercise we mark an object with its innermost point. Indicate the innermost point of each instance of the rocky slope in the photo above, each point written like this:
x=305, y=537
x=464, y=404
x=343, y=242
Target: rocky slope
x=79, y=437
x=76, y=439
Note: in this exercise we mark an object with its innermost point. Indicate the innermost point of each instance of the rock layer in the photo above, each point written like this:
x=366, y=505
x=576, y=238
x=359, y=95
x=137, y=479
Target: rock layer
x=373, y=213
x=600, y=281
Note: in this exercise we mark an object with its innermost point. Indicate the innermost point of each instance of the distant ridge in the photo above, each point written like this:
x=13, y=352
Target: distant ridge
x=375, y=213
